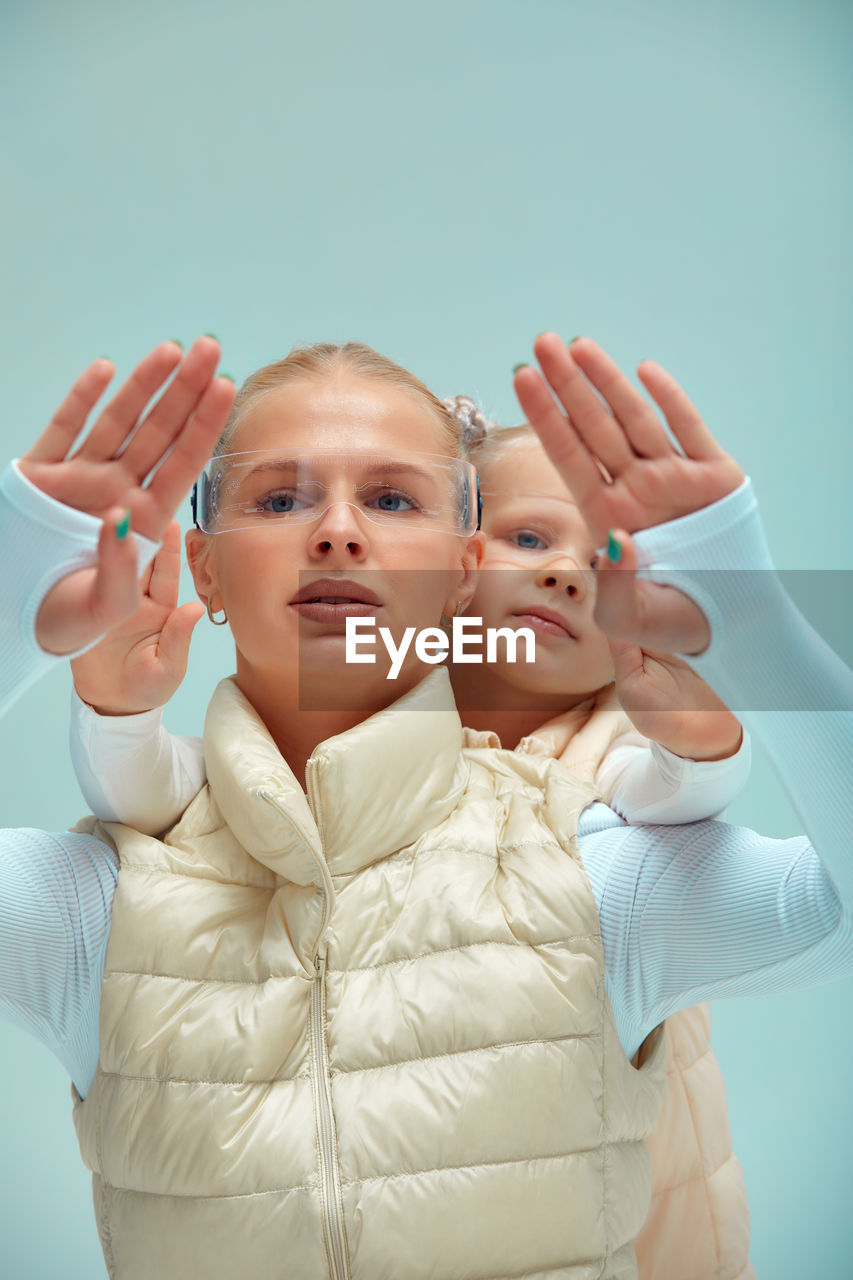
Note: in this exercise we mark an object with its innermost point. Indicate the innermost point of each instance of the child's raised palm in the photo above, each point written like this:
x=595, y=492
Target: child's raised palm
x=139, y=664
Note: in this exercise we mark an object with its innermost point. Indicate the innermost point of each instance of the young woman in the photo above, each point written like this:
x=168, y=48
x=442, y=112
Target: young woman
x=535, y=572
x=403, y=1024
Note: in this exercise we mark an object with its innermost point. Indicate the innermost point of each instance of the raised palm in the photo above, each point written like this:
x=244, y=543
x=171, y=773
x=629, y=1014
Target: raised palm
x=626, y=472
x=623, y=468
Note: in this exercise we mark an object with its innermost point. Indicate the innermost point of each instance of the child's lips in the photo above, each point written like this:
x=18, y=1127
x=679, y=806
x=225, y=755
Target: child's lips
x=546, y=621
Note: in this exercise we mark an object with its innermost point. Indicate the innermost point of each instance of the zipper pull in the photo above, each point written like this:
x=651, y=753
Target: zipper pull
x=320, y=960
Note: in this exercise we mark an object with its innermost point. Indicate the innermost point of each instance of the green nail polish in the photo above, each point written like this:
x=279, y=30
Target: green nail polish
x=123, y=526
x=177, y=342
x=571, y=340
x=229, y=376
x=614, y=547
x=522, y=365
x=210, y=335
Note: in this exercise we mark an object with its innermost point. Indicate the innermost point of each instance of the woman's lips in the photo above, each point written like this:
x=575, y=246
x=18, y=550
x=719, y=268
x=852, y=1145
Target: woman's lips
x=334, y=609
x=335, y=600
x=546, y=623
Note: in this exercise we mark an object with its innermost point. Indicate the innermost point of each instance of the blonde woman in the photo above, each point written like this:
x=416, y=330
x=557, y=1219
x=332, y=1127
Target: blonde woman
x=369, y=1028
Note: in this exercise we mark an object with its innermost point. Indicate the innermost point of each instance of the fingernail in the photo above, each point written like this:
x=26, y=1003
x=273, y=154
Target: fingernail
x=229, y=376
x=571, y=340
x=614, y=547
x=523, y=365
x=123, y=526
x=542, y=334
x=177, y=342
x=210, y=335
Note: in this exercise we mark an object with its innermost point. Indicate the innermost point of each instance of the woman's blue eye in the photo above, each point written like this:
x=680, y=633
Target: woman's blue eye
x=527, y=540
x=279, y=504
x=394, y=500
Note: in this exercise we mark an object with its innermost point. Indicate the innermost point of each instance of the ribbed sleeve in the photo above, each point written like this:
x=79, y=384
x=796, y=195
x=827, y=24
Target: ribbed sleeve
x=42, y=541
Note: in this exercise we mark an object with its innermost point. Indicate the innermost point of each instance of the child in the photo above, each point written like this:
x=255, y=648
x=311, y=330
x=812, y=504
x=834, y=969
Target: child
x=536, y=572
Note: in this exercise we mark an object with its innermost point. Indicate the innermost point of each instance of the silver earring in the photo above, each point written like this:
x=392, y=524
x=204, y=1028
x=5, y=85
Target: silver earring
x=217, y=622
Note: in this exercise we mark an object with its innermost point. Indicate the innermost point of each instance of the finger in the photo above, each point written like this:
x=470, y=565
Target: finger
x=173, y=647
x=680, y=412
x=115, y=592
x=591, y=418
x=618, y=606
x=189, y=453
x=70, y=418
x=561, y=442
x=645, y=432
x=119, y=418
x=165, y=577
x=170, y=414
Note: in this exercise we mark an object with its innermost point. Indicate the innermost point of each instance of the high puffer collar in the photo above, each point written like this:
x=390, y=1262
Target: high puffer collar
x=371, y=790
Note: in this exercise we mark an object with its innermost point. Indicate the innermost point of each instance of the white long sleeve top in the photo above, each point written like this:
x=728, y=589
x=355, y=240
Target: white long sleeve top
x=132, y=770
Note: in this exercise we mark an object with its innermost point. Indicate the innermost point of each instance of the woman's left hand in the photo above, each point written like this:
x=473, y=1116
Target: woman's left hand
x=626, y=473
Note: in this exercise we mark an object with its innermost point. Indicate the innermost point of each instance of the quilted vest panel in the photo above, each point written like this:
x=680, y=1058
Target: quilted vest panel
x=364, y=1033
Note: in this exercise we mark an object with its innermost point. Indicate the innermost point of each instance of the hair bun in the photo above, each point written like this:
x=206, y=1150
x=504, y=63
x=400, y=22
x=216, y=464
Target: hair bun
x=474, y=423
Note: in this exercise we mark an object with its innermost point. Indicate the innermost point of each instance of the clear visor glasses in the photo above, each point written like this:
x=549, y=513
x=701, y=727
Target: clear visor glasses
x=275, y=489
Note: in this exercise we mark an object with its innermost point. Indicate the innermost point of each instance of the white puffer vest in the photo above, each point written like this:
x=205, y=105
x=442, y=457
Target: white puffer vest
x=697, y=1227
x=364, y=1033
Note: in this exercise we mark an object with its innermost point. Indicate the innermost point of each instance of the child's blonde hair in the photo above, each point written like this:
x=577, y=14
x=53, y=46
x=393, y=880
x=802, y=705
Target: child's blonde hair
x=483, y=439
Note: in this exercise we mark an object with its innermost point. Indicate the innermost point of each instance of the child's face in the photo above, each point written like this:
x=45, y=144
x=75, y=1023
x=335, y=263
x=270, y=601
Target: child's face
x=537, y=573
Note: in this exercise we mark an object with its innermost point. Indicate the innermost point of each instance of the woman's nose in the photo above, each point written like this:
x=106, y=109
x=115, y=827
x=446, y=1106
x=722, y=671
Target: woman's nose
x=340, y=528
x=564, y=575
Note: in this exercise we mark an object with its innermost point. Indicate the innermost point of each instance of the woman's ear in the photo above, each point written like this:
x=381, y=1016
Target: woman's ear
x=466, y=583
x=201, y=568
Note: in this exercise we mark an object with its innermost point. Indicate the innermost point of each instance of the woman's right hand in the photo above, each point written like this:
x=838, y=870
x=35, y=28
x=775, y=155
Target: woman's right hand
x=141, y=662
x=132, y=461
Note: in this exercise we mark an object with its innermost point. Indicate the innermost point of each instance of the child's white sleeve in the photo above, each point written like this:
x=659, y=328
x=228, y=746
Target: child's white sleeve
x=649, y=783
x=132, y=770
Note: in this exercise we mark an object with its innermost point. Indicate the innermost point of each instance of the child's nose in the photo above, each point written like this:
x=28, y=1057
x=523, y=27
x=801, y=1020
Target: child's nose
x=565, y=575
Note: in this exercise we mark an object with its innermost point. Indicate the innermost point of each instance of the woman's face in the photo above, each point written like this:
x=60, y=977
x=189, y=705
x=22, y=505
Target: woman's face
x=537, y=574
x=262, y=574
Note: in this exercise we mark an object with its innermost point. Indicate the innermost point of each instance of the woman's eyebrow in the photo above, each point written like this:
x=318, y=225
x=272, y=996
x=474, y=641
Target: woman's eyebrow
x=371, y=469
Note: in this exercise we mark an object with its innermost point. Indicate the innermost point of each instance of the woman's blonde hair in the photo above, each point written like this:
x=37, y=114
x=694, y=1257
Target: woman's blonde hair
x=326, y=359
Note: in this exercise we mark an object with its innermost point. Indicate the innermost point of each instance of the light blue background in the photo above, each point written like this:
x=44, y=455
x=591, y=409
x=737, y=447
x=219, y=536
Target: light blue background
x=445, y=180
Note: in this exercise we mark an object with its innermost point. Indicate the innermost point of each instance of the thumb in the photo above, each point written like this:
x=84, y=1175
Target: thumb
x=627, y=659
x=173, y=646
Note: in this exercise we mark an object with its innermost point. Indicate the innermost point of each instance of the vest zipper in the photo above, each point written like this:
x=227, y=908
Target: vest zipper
x=329, y=1172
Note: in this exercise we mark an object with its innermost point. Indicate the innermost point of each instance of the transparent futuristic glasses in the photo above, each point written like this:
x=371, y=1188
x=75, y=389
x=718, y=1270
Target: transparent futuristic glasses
x=277, y=489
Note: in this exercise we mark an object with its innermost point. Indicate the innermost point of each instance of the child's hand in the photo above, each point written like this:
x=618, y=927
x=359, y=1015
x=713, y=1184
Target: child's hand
x=669, y=703
x=140, y=663
x=625, y=472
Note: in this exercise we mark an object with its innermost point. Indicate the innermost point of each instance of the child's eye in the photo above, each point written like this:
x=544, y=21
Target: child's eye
x=527, y=540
